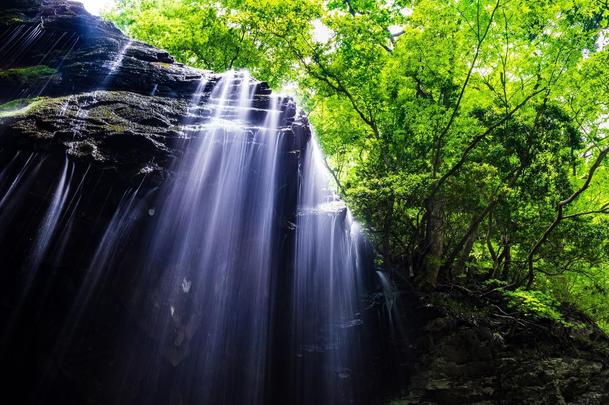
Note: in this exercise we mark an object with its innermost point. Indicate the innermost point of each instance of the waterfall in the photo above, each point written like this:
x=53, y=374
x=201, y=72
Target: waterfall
x=204, y=283
x=48, y=226
x=239, y=279
x=327, y=290
x=391, y=306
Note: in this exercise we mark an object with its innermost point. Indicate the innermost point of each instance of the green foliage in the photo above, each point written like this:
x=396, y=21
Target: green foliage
x=221, y=35
x=494, y=283
x=540, y=305
x=464, y=134
x=533, y=303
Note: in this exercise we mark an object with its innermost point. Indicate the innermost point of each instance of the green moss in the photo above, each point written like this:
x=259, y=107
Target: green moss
x=28, y=73
x=164, y=65
x=14, y=105
x=20, y=106
x=11, y=20
x=118, y=127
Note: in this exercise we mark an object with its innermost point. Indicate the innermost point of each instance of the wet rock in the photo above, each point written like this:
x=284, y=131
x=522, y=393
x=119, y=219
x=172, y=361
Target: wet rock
x=86, y=53
x=85, y=89
x=474, y=357
x=112, y=128
x=115, y=116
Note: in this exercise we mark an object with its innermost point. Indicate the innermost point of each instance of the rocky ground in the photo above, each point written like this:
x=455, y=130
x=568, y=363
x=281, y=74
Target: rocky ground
x=472, y=348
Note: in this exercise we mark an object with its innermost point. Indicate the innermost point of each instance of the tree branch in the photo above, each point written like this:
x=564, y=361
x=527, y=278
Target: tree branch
x=474, y=143
x=560, y=216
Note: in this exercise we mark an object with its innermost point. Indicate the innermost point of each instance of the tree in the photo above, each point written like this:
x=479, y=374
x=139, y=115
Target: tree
x=469, y=136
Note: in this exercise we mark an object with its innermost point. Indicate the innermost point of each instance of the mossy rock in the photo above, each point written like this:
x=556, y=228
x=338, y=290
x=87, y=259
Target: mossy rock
x=164, y=65
x=28, y=73
x=9, y=20
x=20, y=106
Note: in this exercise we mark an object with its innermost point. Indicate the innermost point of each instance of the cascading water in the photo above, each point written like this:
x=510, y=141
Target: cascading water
x=212, y=254
x=240, y=279
x=327, y=290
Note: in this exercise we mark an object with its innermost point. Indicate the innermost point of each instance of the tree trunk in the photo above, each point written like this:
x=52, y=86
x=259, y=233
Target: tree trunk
x=507, y=259
x=435, y=242
x=387, y=226
x=467, y=250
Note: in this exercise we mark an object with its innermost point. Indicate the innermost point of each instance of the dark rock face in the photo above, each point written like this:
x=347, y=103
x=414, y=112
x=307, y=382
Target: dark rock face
x=472, y=352
x=22, y=3
x=80, y=101
x=87, y=53
x=120, y=129
x=75, y=83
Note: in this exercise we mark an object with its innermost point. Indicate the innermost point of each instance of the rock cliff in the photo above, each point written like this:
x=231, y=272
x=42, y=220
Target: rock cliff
x=88, y=119
x=73, y=82
x=471, y=348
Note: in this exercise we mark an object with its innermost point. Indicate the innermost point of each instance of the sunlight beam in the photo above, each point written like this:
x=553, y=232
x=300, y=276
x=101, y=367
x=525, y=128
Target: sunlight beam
x=95, y=7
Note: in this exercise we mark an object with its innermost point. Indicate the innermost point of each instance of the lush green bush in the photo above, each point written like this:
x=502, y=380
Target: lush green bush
x=534, y=303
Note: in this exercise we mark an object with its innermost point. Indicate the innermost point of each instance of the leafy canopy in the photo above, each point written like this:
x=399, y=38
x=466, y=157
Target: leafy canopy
x=469, y=136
